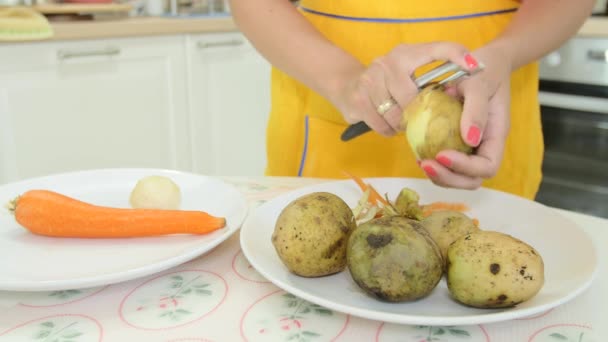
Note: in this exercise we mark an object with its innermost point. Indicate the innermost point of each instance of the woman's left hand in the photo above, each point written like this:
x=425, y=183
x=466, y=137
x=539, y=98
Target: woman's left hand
x=484, y=125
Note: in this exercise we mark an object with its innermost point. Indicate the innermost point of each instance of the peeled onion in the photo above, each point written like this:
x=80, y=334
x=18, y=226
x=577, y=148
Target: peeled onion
x=155, y=192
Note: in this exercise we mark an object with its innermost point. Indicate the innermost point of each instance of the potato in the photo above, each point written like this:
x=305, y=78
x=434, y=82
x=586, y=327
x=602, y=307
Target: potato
x=155, y=192
x=393, y=259
x=407, y=204
x=432, y=121
x=311, y=234
x=446, y=226
x=489, y=269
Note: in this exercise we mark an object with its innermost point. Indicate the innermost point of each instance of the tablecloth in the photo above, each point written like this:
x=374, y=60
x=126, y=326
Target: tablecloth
x=220, y=297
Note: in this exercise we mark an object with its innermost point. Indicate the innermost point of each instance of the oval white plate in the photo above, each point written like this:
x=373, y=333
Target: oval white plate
x=37, y=263
x=568, y=253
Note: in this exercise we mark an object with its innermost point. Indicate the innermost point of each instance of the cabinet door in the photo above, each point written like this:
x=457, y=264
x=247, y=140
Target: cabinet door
x=230, y=99
x=68, y=106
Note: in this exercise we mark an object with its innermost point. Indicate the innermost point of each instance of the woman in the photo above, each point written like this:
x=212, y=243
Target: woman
x=338, y=62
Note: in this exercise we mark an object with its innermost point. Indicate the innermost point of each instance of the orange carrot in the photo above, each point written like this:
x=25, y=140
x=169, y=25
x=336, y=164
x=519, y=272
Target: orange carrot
x=374, y=196
x=357, y=180
x=428, y=209
x=49, y=213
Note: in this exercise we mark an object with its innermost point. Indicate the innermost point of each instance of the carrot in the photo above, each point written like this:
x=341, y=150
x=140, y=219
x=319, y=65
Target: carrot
x=50, y=213
x=374, y=196
x=428, y=209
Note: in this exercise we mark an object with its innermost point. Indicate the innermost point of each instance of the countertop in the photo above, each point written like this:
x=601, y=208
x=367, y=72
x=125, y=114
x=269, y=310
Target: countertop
x=595, y=27
x=141, y=26
x=146, y=26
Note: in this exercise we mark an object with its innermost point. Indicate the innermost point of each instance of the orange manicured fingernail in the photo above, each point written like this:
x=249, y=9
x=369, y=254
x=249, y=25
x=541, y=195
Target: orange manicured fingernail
x=473, y=135
x=429, y=171
x=471, y=61
x=445, y=161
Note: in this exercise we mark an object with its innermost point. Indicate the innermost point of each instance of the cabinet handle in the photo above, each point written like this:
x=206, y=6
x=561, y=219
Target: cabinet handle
x=232, y=42
x=598, y=55
x=108, y=51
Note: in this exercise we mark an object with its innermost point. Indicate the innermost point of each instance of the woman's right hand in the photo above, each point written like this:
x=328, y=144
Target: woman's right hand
x=390, y=78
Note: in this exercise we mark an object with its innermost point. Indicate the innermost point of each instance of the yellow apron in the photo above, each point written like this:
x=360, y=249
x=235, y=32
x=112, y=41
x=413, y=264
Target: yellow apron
x=303, y=136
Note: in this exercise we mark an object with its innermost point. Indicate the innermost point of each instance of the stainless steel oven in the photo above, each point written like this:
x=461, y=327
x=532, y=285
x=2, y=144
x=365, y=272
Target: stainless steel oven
x=574, y=109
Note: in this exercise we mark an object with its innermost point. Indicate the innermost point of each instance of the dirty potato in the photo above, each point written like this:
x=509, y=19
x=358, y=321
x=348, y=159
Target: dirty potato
x=488, y=269
x=311, y=234
x=446, y=226
x=407, y=204
x=393, y=259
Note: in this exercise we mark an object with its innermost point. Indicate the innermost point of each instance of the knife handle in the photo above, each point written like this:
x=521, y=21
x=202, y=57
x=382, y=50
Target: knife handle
x=355, y=130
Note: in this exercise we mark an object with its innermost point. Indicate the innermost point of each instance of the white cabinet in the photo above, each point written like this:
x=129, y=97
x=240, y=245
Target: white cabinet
x=229, y=92
x=195, y=103
x=93, y=104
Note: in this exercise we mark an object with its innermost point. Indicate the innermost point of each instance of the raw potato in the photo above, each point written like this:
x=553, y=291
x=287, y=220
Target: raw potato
x=311, y=234
x=407, y=204
x=155, y=192
x=432, y=122
x=394, y=259
x=446, y=226
x=490, y=269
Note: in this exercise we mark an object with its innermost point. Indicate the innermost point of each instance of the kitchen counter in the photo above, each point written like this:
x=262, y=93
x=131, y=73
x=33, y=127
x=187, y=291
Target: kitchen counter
x=150, y=26
x=140, y=26
x=146, y=26
x=595, y=27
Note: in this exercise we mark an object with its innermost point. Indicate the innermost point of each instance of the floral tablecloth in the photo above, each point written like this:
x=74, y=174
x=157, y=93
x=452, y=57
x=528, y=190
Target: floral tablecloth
x=220, y=297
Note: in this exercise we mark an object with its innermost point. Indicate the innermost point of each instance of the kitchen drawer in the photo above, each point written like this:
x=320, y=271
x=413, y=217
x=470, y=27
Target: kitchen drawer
x=100, y=111
x=57, y=53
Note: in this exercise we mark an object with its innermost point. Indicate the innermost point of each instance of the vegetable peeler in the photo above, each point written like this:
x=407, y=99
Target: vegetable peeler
x=361, y=127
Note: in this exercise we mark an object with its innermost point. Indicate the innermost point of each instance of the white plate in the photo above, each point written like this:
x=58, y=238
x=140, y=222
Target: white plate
x=37, y=263
x=568, y=253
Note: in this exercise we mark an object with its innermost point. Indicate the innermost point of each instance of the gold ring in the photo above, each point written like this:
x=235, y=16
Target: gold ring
x=385, y=106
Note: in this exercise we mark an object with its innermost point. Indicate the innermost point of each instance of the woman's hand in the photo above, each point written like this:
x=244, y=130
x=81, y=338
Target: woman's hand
x=484, y=125
x=388, y=83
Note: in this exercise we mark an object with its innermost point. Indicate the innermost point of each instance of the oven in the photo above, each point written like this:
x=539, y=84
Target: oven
x=574, y=111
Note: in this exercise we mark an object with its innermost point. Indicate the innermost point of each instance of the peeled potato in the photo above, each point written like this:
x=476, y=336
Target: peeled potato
x=155, y=192
x=433, y=123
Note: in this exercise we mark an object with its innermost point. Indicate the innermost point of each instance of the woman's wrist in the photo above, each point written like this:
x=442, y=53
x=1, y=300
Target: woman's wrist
x=497, y=58
x=498, y=51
